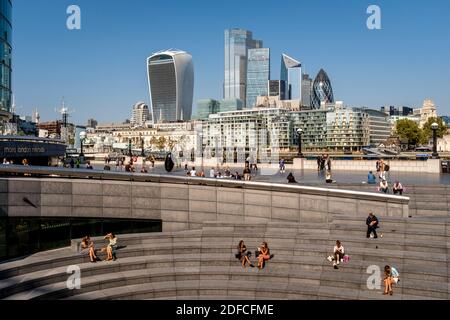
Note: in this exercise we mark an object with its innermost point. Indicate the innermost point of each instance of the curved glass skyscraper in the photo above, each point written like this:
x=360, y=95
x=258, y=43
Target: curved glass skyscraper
x=322, y=90
x=171, y=85
x=5, y=55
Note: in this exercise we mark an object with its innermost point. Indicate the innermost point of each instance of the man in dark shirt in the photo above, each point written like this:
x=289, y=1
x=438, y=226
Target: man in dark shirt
x=372, y=225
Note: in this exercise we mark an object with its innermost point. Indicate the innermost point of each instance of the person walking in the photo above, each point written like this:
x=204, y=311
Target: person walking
x=372, y=225
x=282, y=165
x=247, y=173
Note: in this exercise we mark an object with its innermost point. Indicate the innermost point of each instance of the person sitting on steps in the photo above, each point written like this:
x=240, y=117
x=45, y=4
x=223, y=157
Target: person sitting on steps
x=87, y=243
x=263, y=254
x=372, y=225
x=243, y=254
x=391, y=276
x=338, y=254
x=112, y=246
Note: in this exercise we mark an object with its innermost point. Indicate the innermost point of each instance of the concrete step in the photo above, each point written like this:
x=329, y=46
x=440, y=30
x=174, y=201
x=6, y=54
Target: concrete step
x=160, y=267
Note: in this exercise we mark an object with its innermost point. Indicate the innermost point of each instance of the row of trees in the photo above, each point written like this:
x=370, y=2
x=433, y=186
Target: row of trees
x=409, y=130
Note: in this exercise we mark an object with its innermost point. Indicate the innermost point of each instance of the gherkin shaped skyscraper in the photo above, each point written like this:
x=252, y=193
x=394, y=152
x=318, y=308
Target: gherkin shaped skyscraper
x=322, y=90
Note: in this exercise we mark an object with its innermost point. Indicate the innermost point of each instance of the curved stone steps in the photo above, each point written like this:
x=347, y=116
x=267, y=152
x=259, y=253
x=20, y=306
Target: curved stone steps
x=96, y=276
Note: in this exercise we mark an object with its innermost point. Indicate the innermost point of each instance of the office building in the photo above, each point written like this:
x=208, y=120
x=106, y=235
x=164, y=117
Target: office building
x=5, y=58
x=306, y=91
x=322, y=90
x=379, y=127
x=237, y=44
x=205, y=107
x=291, y=74
x=258, y=74
x=276, y=88
x=171, y=85
x=92, y=123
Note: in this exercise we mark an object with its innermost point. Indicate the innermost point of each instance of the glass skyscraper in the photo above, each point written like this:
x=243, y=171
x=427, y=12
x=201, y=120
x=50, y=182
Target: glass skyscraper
x=291, y=74
x=322, y=90
x=237, y=44
x=258, y=74
x=5, y=53
x=171, y=85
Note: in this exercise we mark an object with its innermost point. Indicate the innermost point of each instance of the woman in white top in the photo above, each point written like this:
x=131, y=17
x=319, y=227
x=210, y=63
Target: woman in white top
x=112, y=246
x=338, y=253
x=384, y=187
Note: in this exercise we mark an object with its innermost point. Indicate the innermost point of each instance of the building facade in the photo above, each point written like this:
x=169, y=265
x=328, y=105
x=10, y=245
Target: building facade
x=5, y=55
x=314, y=126
x=322, y=90
x=291, y=74
x=140, y=114
x=205, y=107
x=380, y=127
x=258, y=74
x=306, y=90
x=276, y=88
x=171, y=85
x=347, y=129
x=237, y=44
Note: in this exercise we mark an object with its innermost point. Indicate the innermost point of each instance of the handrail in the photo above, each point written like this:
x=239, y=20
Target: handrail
x=57, y=172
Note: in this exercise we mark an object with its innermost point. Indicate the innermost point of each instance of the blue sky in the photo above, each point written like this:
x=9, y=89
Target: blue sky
x=101, y=71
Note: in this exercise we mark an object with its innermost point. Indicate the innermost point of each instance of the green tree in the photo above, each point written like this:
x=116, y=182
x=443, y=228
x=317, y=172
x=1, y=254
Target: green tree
x=428, y=133
x=409, y=130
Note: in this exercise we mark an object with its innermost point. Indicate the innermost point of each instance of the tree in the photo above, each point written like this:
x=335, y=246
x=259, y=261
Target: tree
x=161, y=143
x=409, y=130
x=428, y=133
x=153, y=141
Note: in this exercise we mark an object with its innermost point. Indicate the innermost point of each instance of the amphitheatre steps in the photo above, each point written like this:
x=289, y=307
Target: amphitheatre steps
x=201, y=264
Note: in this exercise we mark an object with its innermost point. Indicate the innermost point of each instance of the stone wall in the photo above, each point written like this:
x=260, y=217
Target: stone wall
x=185, y=203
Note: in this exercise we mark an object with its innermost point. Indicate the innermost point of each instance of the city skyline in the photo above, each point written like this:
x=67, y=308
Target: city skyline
x=404, y=63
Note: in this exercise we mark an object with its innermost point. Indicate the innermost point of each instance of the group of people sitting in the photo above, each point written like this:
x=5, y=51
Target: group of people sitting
x=262, y=254
x=88, y=245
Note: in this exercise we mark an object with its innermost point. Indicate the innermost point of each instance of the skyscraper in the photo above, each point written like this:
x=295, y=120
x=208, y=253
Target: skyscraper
x=306, y=90
x=258, y=73
x=276, y=88
x=5, y=55
x=237, y=44
x=322, y=90
x=291, y=74
x=171, y=85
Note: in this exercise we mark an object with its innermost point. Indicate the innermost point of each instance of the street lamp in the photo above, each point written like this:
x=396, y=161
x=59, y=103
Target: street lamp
x=299, y=132
x=434, y=127
x=82, y=138
x=129, y=147
x=142, y=147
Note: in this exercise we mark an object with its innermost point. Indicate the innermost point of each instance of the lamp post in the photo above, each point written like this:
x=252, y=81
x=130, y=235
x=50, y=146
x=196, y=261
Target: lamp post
x=142, y=148
x=82, y=138
x=299, y=132
x=129, y=147
x=434, y=127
